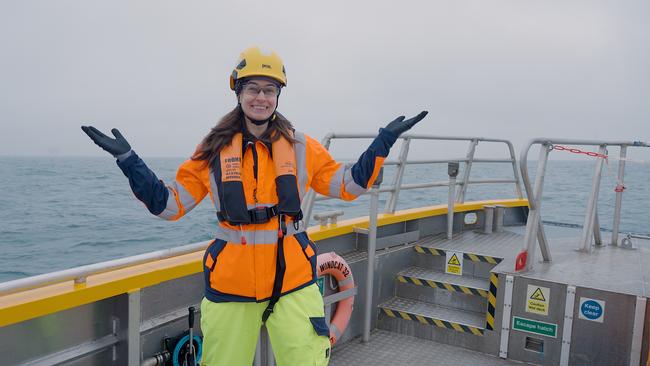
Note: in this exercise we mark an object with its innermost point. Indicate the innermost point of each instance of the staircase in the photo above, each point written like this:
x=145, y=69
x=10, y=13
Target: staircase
x=431, y=302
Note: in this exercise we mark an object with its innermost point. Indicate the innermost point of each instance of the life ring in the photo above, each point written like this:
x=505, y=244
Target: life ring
x=332, y=264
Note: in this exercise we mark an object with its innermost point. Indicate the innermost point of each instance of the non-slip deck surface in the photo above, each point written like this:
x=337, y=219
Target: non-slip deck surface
x=435, y=311
x=495, y=244
x=390, y=349
x=609, y=268
x=436, y=276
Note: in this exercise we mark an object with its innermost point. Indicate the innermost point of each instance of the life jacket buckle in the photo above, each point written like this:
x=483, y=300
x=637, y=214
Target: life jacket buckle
x=296, y=220
x=257, y=215
x=260, y=215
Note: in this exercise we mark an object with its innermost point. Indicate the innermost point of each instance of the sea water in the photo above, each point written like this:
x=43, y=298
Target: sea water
x=58, y=213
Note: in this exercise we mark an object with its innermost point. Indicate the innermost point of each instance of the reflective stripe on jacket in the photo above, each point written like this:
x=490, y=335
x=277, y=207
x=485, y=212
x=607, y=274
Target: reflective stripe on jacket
x=237, y=272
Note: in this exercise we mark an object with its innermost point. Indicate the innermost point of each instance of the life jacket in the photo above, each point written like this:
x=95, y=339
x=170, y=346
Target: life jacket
x=227, y=171
x=227, y=175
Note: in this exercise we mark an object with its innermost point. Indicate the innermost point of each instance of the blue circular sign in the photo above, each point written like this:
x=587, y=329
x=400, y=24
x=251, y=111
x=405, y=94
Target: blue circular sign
x=591, y=309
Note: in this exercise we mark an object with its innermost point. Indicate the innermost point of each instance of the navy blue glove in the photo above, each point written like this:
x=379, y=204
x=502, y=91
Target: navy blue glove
x=399, y=125
x=115, y=146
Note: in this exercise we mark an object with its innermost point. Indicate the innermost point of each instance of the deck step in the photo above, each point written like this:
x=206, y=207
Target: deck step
x=432, y=249
x=478, y=247
x=464, y=284
x=431, y=314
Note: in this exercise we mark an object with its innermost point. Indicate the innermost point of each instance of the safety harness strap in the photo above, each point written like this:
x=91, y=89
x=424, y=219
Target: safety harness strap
x=280, y=268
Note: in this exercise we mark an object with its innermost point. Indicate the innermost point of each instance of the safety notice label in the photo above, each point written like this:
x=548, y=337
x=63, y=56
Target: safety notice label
x=592, y=309
x=537, y=298
x=534, y=326
x=454, y=262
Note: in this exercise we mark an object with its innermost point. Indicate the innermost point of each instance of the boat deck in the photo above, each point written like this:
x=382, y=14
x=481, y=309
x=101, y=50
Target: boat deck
x=388, y=348
x=608, y=267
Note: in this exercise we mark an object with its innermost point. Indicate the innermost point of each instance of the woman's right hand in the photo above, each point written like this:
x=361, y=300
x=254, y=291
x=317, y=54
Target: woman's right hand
x=115, y=146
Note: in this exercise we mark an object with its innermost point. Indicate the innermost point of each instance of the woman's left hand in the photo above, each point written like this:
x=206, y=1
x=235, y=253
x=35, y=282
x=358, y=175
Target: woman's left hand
x=399, y=125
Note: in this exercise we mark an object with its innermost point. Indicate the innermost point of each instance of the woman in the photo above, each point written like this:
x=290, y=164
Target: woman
x=261, y=268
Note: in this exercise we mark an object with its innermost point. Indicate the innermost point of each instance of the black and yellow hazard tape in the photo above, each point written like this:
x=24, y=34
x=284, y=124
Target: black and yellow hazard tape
x=469, y=256
x=433, y=321
x=427, y=250
x=492, y=302
x=443, y=285
x=482, y=258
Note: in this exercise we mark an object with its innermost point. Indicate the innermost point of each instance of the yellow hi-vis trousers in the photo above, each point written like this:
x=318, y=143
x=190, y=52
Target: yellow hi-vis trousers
x=297, y=329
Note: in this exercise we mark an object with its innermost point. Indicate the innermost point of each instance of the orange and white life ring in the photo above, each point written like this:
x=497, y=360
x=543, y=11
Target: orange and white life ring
x=332, y=264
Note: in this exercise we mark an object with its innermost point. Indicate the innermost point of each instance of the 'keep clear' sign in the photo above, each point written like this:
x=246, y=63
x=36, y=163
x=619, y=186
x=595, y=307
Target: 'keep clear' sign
x=592, y=310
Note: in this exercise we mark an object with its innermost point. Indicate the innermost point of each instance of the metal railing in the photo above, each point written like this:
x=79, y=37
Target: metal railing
x=80, y=274
x=402, y=161
x=534, y=227
x=397, y=187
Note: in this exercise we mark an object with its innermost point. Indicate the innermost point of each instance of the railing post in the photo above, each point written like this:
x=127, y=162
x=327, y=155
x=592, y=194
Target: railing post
x=263, y=352
x=372, y=245
x=533, y=223
x=543, y=243
x=399, y=174
x=488, y=212
x=598, y=240
x=452, y=170
x=518, y=191
x=499, y=213
x=257, y=361
x=619, y=195
x=133, y=333
x=468, y=167
x=588, y=226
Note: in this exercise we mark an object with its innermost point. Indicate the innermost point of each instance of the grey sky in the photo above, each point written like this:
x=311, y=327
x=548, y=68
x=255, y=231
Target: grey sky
x=158, y=70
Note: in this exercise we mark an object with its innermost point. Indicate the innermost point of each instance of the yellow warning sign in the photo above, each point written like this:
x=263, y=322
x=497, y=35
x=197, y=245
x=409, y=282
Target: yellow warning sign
x=454, y=263
x=538, y=295
x=537, y=299
x=454, y=260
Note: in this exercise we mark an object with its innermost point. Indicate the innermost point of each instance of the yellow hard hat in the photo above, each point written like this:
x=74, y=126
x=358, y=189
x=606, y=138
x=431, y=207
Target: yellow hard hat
x=254, y=62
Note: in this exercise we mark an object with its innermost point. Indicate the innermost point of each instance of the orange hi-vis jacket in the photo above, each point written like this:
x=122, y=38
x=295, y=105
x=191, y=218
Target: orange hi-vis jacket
x=240, y=264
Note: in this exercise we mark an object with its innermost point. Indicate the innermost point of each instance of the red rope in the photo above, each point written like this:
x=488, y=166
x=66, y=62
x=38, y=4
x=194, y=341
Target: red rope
x=578, y=151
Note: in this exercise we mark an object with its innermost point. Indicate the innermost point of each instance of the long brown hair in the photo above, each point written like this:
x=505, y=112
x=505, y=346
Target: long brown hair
x=221, y=135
